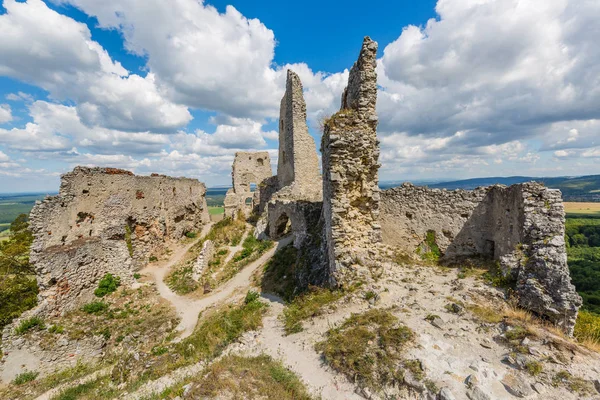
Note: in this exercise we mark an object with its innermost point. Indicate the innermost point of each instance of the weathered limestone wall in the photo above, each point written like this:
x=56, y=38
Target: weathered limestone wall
x=350, y=153
x=248, y=168
x=521, y=226
x=298, y=184
x=298, y=163
x=106, y=220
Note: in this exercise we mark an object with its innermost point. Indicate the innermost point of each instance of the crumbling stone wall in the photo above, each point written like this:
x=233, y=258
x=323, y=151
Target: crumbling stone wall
x=206, y=255
x=350, y=153
x=298, y=164
x=106, y=220
x=248, y=168
x=521, y=227
x=297, y=187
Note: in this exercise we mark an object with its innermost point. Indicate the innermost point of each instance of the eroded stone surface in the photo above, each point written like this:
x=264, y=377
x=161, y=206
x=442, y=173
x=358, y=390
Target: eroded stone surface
x=249, y=168
x=521, y=226
x=106, y=220
x=350, y=171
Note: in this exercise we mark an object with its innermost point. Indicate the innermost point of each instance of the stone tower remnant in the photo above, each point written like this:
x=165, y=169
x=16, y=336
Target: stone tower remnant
x=298, y=164
x=350, y=152
x=249, y=168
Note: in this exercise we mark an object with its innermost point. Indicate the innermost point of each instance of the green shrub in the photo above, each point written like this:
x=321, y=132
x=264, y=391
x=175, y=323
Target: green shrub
x=251, y=296
x=159, y=350
x=57, y=329
x=25, y=377
x=137, y=276
x=28, y=324
x=18, y=293
x=107, y=285
x=95, y=307
x=191, y=235
x=128, y=240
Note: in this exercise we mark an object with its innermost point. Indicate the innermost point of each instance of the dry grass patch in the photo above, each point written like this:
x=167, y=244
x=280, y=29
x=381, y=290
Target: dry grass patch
x=308, y=305
x=260, y=377
x=367, y=348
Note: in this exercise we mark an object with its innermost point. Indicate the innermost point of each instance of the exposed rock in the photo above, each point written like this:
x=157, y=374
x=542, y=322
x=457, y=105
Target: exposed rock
x=516, y=385
x=248, y=169
x=445, y=394
x=478, y=394
x=521, y=226
x=350, y=154
x=106, y=220
x=206, y=254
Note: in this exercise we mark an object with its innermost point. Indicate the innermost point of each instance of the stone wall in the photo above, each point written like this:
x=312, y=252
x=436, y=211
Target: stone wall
x=248, y=168
x=106, y=220
x=521, y=227
x=350, y=152
x=298, y=164
x=206, y=255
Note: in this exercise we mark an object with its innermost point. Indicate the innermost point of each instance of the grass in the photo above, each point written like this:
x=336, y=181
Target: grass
x=95, y=307
x=573, y=383
x=216, y=210
x=534, y=368
x=587, y=330
x=582, y=208
x=227, y=232
x=94, y=390
x=307, y=305
x=28, y=324
x=260, y=377
x=25, y=377
x=367, y=348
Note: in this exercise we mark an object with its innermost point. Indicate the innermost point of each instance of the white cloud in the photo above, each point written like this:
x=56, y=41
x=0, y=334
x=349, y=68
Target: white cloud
x=56, y=53
x=19, y=96
x=499, y=68
x=5, y=113
x=207, y=60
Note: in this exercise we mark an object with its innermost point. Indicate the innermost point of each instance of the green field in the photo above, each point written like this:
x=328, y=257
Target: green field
x=216, y=210
x=13, y=205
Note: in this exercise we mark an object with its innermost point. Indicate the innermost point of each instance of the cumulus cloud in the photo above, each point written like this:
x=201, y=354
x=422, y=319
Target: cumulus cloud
x=5, y=113
x=208, y=60
x=56, y=53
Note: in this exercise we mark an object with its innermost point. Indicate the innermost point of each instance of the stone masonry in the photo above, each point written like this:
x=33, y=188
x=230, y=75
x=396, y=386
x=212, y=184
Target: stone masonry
x=350, y=152
x=206, y=255
x=298, y=165
x=248, y=168
x=296, y=193
x=106, y=220
x=521, y=227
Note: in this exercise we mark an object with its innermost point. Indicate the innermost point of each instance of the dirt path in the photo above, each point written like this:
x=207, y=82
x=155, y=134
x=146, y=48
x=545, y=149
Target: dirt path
x=303, y=360
x=189, y=309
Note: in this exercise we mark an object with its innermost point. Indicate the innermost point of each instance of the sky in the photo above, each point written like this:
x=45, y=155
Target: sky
x=467, y=88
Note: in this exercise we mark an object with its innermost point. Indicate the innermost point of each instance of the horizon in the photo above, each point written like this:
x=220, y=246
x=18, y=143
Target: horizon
x=178, y=89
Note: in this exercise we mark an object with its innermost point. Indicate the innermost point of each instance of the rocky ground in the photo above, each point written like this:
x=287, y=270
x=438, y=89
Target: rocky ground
x=469, y=342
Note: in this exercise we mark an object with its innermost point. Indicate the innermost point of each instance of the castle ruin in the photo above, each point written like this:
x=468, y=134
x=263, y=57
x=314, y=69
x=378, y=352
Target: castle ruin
x=107, y=220
x=342, y=228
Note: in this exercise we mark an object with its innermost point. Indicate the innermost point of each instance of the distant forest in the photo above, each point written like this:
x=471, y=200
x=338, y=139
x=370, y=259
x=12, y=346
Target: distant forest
x=583, y=241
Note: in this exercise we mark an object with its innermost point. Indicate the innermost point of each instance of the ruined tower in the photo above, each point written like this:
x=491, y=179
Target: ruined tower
x=350, y=152
x=298, y=163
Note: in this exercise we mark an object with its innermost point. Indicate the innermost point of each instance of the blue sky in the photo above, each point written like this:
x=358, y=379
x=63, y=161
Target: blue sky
x=468, y=88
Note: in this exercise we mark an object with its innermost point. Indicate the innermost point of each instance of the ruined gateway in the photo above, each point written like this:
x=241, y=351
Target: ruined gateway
x=343, y=223
x=107, y=220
